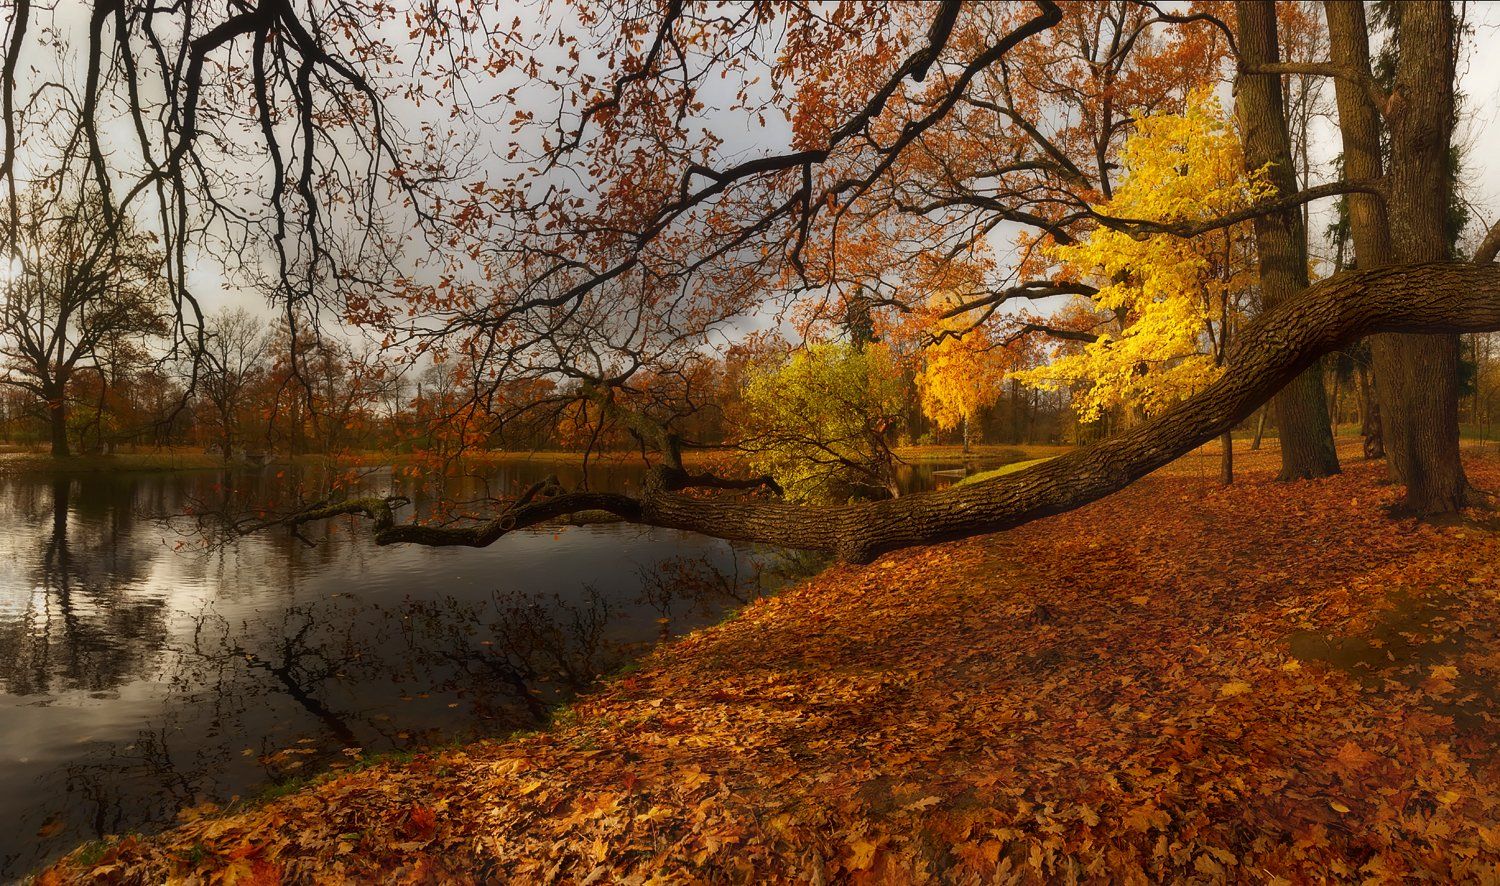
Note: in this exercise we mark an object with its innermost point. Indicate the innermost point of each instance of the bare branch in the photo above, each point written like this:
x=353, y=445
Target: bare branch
x=1488, y=247
x=1363, y=79
x=1141, y=228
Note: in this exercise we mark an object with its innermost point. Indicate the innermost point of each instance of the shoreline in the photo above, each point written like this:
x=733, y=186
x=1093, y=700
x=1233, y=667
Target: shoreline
x=29, y=462
x=927, y=712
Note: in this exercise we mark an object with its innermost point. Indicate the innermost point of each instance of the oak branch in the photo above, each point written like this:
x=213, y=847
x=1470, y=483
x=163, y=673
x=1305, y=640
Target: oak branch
x=1431, y=298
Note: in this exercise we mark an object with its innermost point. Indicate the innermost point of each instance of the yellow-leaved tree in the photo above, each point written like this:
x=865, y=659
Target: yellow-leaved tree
x=1168, y=305
x=961, y=373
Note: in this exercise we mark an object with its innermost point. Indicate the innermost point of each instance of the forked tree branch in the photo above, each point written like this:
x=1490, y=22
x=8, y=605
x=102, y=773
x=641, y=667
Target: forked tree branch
x=1328, y=69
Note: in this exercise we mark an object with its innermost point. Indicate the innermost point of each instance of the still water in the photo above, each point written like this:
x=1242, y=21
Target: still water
x=143, y=671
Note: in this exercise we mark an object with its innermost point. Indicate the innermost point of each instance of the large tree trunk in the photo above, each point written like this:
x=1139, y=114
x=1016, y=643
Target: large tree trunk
x=1416, y=376
x=1359, y=128
x=1417, y=386
x=1271, y=351
x=1307, y=448
x=57, y=420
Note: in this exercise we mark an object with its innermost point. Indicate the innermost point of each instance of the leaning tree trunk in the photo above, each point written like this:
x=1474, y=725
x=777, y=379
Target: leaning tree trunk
x=1307, y=448
x=1271, y=351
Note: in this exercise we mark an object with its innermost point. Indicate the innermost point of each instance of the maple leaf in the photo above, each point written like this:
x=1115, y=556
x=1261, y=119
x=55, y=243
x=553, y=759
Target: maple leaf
x=861, y=853
x=1352, y=758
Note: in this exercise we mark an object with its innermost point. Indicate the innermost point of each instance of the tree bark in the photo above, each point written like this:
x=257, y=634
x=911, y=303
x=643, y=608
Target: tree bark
x=1369, y=417
x=57, y=419
x=1271, y=351
x=1416, y=376
x=1307, y=448
x=1421, y=416
x=1360, y=129
x=1226, y=458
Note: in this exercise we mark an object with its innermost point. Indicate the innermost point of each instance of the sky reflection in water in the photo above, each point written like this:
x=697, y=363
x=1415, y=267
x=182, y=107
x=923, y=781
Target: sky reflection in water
x=137, y=679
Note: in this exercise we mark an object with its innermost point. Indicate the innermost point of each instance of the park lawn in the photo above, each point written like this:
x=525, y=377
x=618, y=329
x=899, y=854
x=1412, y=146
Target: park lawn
x=991, y=452
x=20, y=460
x=1003, y=470
x=148, y=460
x=1270, y=682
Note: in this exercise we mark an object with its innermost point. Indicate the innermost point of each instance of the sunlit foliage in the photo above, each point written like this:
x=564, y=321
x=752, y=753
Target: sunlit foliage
x=817, y=421
x=1174, y=299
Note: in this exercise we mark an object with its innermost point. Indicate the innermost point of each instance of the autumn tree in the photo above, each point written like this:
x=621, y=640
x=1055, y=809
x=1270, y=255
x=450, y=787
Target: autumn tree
x=818, y=421
x=962, y=370
x=236, y=352
x=1416, y=375
x=445, y=419
x=1280, y=236
x=1176, y=300
x=77, y=290
x=631, y=231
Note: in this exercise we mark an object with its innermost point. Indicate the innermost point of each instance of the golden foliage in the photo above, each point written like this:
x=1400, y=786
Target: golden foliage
x=1175, y=299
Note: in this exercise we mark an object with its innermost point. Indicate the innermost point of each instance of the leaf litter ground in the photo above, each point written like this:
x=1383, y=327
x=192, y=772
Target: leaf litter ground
x=1272, y=682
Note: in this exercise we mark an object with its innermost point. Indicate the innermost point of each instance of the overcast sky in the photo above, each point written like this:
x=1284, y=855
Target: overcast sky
x=1479, y=81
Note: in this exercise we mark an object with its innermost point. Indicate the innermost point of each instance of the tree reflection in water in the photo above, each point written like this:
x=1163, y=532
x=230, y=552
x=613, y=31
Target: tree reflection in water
x=540, y=649
x=75, y=629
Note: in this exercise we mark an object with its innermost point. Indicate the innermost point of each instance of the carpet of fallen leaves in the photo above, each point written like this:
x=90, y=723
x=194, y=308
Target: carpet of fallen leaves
x=1271, y=682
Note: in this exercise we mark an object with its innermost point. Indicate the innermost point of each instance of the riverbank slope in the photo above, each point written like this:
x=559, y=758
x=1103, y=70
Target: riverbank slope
x=1271, y=681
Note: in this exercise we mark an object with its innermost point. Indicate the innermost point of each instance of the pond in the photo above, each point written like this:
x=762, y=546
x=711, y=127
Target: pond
x=143, y=671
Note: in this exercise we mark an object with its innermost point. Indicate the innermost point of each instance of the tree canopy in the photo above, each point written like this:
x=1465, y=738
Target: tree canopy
x=616, y=191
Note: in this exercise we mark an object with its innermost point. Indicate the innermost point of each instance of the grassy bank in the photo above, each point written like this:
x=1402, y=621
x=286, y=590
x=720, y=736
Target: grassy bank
x=988, y=452
x=16, y=461
x=1012, y=468
x=1273, y=682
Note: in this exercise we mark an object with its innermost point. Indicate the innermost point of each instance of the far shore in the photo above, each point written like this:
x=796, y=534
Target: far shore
x=16, y=460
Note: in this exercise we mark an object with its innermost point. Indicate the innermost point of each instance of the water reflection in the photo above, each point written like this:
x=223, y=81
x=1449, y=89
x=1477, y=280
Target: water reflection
x=64, y=621
x=140, y=675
